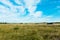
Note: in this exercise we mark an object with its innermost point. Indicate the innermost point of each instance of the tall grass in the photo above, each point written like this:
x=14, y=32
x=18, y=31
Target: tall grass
x=29, y=32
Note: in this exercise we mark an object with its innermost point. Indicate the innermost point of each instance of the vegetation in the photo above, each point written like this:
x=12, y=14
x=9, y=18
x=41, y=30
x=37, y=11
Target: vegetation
x=29, y=32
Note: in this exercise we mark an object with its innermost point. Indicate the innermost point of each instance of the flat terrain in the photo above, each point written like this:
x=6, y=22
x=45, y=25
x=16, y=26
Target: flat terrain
x=29, y=32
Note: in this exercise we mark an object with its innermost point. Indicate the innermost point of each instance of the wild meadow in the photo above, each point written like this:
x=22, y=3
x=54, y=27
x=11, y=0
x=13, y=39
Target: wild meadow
x=29, y=32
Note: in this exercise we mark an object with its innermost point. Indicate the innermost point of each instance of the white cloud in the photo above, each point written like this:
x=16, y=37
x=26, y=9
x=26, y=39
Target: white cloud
x=18, y=2
x=36, y=14
x=14, y=13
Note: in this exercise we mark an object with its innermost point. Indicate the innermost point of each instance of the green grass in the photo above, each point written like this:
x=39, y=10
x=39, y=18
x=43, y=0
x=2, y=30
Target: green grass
x=29, y=32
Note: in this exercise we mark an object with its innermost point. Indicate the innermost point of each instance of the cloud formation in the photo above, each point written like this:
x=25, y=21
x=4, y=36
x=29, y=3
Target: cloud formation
x=15, y=11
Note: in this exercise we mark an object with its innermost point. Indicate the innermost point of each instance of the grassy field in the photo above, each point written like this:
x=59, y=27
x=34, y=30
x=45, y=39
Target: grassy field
x=29, y=32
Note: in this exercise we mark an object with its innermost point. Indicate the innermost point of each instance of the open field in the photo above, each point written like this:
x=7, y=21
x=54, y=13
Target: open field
x=29, y=32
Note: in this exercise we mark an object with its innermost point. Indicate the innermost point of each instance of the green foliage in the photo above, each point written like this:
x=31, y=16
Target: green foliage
x=16, y=28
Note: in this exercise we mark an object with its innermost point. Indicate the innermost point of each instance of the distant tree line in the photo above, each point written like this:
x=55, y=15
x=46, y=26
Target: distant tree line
x=31, y=23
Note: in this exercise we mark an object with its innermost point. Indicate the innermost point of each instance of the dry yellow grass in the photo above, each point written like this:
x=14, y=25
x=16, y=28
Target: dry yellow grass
x=29, y=32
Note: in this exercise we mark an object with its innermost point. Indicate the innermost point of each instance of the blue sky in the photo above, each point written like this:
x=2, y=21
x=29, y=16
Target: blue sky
x=29, y=11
